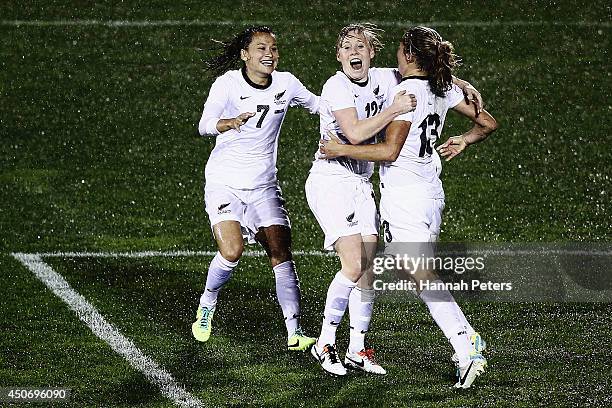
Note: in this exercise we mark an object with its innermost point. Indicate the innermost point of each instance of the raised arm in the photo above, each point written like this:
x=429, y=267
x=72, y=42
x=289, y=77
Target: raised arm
x=387, y=150
x=357, y=131
x=484, y=125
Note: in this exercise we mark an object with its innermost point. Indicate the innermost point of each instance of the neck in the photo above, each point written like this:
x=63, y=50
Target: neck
x=258, y=79
x=412, y=70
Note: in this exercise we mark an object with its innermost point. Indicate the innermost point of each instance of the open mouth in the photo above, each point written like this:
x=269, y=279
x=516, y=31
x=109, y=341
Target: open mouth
x=267, y=63
x=356, y=63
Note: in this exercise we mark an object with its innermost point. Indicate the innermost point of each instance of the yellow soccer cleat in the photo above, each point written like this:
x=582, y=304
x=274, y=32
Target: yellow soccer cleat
x=299, y=341
x=202, y=327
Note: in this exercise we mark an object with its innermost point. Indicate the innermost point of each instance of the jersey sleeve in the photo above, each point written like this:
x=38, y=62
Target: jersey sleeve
x=337, y=95
x=408, y=116
x=303, y=97
x=454, y=96
x=214, y=107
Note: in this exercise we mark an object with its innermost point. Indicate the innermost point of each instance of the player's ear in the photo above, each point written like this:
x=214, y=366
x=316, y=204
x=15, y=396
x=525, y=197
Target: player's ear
x=338, y=57
x=372, y=53
x=244, y=55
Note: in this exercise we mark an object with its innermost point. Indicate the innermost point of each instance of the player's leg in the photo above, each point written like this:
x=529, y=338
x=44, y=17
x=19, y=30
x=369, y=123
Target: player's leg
x=267, y=216
x=349, y=250
x=224, y=210
x=276, y=240
x=414, y=224
x=361, y=304
x=230, y=244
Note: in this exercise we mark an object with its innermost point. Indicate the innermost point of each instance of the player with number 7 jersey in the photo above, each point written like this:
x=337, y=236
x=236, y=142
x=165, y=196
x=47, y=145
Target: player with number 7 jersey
x=245, y=109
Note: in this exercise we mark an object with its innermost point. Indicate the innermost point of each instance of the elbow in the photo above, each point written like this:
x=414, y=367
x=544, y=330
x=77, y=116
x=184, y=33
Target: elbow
x=392, y=154
x=208, y=126
x=202, y=128
x=352, y=137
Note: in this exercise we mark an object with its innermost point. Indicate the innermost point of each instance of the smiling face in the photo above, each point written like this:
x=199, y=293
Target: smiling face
x=355, y=55
x=261, y=56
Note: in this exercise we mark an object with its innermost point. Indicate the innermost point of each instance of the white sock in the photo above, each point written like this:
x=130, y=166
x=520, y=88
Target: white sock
x=219, y=272
x=468, y=327
x=361, y=302
x=288, y=294
x=443, y=309
x=337, y=299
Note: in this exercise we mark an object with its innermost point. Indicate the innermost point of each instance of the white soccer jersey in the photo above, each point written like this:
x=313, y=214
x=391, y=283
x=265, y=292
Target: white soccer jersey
x=247, y=159
x=415, y=168
x=340, y=92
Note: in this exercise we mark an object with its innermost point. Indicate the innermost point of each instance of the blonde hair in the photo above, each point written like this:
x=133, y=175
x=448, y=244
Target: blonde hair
x=369, y=31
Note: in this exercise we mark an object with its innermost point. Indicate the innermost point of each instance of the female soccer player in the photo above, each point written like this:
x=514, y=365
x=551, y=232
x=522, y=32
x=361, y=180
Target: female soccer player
x=412, y=198
x=340, y=194
x=245, y=109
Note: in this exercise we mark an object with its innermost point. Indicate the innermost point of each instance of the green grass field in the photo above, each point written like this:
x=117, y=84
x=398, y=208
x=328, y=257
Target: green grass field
x=100, y=153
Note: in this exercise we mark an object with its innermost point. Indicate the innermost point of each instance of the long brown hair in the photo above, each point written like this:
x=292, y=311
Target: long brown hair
x=433, y=55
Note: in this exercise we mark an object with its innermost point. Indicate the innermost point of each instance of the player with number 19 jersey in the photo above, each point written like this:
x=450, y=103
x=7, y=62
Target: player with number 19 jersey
x=368, y=98
x=416, y=169
x=246, y=159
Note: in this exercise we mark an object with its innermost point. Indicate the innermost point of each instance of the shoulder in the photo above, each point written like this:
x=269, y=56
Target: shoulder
x=454, y=96
x=284, y=76
x=337, y=81
x=412, y=85
x=386, y=74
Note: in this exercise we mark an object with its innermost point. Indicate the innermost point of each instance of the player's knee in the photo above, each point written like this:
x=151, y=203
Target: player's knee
x=353, y=270
x=279, y=255
x=232, y=252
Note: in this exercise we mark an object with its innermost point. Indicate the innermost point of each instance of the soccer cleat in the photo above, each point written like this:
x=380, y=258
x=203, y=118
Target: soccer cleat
x=363, y=360
x=299, y=341
x=202, y=327
x=478, y=346
x=468, y=373
x=328, y=358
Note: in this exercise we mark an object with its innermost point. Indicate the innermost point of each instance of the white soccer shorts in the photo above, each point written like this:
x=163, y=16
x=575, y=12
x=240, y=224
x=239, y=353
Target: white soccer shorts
x=343, y=206
x=406, y=218
x=253, y=209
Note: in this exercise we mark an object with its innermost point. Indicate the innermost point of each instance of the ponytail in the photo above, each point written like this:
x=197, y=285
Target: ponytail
x=434, y=56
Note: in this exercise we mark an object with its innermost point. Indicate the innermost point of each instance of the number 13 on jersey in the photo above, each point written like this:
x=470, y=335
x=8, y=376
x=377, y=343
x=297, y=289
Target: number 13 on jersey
x=429, y=135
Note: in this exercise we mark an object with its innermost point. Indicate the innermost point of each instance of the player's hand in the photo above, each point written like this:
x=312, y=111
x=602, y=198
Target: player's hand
x=405, y=102
x=452, y=147
x=330, y=149
x=472, y=95
x=241, y=120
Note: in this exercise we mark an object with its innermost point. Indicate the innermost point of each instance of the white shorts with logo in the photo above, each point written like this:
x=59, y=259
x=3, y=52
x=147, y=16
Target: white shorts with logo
x=253, y=209
x=343, y=206
x=409, y=219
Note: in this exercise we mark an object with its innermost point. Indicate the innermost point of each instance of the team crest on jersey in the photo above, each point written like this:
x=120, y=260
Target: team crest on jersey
x=350, y=218
x=376, y=93
x=278, y=96
x=222, y=209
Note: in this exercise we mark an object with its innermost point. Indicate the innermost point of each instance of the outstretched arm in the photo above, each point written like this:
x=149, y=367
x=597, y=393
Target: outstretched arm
x=484, y=125
x=388, y=150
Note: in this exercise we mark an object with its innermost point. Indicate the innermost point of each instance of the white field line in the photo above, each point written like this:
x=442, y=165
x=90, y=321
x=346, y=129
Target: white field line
x=187, y=253
x=400, y=23
x=105, y=331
